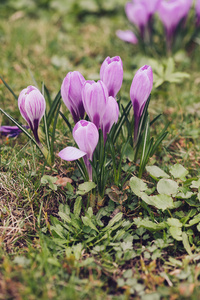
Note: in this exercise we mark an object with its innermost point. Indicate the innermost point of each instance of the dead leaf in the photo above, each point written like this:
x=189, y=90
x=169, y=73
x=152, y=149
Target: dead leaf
x=63, y=181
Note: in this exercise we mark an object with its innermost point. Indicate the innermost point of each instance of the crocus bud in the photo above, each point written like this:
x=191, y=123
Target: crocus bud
x=138, y=15
x=86, y=136
x=95, y=97
x=110, y=116
x=32, y=107
x=111, y=73
x=71, y=90
x=127, y=36
x=139, y=92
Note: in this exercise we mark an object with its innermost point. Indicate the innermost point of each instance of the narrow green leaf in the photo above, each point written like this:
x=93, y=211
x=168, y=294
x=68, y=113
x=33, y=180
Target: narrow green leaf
x=53, y=108
x=66, y=121
x=53, y=133
x=65, y=217
x=88, y=222
x=114, y=220
x=186, y=243
x=77, y=206
x=22, y=129
x=9, y=88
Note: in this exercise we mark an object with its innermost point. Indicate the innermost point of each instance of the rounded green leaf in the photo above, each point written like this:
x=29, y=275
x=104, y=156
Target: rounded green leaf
x=156, y=172
x=167, y=186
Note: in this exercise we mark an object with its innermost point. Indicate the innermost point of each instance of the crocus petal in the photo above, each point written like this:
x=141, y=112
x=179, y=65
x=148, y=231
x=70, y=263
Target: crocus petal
x=139, y=92
x=141, y=85
x=71, y=90
x=35, y=106
x=137, y=14
x=71, y=153
x=110, y=116
x=21, y=103
x=150, y=5
x=32, y=106
x=171, y=13
x=95, y=97
x=86, y=136
x=111, y=73
x=127, y=36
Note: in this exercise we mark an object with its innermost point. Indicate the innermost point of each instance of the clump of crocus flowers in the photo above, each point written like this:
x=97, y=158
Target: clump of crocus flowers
x=98, y=101
x=172, y=13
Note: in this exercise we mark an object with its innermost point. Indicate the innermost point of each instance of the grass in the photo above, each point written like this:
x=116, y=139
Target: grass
x=52, y=246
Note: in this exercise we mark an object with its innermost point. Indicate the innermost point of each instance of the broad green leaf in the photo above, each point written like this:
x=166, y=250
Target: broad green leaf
x=160, y=201
x=149, y=224
x=88, y=222
x=85, y=187
x=169, y=68
x=156, y=172
x=186, y=195
x=195, y=220
x=58, y=229
x=65, y=217
x=176, y=233
x=174, y=222
x=186, y=243
x=114, y=220
x=178, y=171
x=77, y=250
x=129, y=153
x=50, y=180
x=195, y=184
x=137, y=186
x=77, y=206
x=53, y=261
x=167, y=186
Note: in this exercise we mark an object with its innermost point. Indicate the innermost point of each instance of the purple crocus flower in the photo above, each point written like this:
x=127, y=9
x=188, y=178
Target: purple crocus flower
x=151, y=6
x=86, y=136
x=11, y=131
x=111, y=73
x=197, y=9
x=95, y=97
x=171, y=13
x=127, y=36
x=32, y=107
x=71, y=94
x=110, y=116
x=139, y=92
x=137, y=14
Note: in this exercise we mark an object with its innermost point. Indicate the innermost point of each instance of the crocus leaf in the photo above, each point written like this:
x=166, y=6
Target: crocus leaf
x=22, y=129
x=71, y=153
x=9, y=88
